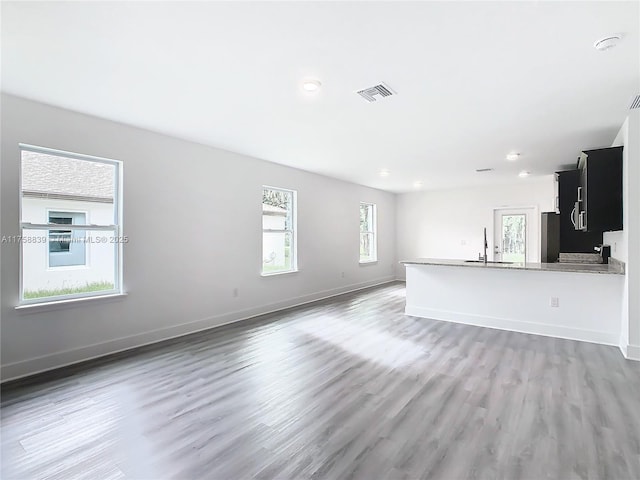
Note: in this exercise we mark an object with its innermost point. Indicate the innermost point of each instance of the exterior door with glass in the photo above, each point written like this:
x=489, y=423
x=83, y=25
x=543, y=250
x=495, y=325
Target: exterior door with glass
x=512, y=238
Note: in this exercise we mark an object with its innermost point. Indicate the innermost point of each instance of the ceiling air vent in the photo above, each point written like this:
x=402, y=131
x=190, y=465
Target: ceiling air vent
x=480, y=170
x=381, y=90
x=635, y=103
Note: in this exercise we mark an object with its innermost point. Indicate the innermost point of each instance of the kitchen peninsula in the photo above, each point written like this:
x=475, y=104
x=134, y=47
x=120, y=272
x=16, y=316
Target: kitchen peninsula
x=574, y=301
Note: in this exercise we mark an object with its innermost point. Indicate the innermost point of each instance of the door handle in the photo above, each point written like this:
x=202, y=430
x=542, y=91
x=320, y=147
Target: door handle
x=581, y=221
x=573, y=218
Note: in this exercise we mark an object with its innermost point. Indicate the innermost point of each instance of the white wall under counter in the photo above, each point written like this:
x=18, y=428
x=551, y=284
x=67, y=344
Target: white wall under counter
x=588, y=309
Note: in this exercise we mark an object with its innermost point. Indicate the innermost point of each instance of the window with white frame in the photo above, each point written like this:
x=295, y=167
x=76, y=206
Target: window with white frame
x=66, y=247
x=278, y=230
x=71, y=231
x=368, y=250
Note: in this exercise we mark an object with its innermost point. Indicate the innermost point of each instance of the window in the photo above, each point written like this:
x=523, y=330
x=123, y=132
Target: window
x=71, y=236
x=66, y=247
x=278, y=231
x=368, y=250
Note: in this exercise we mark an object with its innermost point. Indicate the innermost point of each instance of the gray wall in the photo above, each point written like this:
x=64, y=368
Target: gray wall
x=193, y=217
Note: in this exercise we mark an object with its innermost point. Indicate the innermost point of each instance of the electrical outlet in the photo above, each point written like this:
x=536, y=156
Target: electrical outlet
x=342, y=274
x=235, y=292
x=554, y=302
x=463, y=242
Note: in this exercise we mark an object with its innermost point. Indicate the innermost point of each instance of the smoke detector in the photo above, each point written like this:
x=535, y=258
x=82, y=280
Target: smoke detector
x=382, y=90
x=607, y=42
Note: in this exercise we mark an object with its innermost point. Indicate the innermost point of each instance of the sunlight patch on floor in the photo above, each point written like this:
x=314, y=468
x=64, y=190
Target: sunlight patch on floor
x=364, y=341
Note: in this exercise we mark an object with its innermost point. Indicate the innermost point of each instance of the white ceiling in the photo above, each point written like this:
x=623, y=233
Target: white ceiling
x=474, y=80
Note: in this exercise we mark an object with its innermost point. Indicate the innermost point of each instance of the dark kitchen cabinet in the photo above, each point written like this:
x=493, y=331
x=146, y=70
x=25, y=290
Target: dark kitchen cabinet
x=572, y=240
x=550, y=233
x=599, y=197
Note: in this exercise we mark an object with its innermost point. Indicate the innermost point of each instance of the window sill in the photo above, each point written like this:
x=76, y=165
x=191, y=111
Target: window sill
x=273, y=274
x=67, y=268
x=369, y=262
x=67, y=303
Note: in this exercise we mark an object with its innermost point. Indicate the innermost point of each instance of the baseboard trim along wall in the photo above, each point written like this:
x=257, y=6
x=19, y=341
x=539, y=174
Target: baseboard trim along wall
x=558, y=331
x=33, y=366
x=631, y=352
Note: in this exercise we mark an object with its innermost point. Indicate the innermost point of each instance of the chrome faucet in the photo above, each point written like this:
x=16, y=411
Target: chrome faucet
x=486, y=245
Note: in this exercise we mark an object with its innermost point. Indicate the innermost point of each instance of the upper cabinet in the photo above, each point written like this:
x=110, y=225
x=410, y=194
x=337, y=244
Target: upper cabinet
x=572, y=240
x=599, y=193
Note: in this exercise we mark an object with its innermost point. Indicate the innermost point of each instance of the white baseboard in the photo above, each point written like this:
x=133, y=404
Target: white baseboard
x=32, y=366
x=546, y=330
x=631, y=352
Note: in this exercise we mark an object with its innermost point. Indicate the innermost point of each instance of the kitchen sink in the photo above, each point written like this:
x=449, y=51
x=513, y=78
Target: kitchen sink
x=489, y=261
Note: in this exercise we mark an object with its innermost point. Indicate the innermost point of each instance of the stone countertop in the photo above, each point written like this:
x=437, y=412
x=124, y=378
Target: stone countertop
x=615, y=267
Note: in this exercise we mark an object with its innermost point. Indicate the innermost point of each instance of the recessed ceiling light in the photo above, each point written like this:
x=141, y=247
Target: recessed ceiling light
x=607, y=42
x=311, y=85
x=384, y=172
x=524, y=174
x=418, y=184
x=513, y=156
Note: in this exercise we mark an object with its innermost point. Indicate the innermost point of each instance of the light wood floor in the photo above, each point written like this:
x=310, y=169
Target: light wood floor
x=349, y=388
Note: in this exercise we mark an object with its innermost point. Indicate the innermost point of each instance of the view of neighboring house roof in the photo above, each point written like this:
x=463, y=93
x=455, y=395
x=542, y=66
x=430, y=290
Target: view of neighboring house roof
x=52, y=176
x=273, y=210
